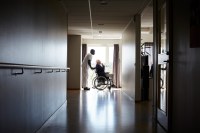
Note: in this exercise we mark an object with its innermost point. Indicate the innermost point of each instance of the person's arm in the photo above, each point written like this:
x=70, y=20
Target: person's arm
x=89, y=63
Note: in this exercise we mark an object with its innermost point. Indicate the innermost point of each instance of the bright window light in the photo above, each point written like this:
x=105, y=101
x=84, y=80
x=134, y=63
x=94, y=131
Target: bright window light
x=103, y=53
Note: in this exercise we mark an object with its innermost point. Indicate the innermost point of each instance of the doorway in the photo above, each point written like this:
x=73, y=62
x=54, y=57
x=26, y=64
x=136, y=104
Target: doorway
x=147, y=52
x=103, y=53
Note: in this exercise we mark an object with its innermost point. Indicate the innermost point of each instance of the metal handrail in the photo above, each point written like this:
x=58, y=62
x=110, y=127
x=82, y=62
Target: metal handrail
x=25, y=66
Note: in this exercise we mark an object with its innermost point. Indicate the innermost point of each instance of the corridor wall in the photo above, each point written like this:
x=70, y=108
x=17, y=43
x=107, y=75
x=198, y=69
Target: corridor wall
x=74, y=62
x=32, y=32
x=131, y=60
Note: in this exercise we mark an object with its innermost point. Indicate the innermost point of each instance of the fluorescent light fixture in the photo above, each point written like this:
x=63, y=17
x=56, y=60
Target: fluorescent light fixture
x=145, y=32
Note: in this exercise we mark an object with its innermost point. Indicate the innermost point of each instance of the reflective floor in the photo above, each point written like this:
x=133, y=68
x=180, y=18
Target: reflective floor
x=101, y=112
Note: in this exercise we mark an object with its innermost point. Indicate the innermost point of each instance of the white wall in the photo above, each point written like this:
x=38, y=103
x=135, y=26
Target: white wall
x=74, y=61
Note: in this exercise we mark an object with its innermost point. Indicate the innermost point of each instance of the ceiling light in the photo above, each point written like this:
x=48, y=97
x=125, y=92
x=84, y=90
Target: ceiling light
x=144, y=32
x=103, y=2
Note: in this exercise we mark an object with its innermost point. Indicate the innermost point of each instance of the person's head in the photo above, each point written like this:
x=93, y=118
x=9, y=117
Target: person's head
x=92, y=51
x=98, y=61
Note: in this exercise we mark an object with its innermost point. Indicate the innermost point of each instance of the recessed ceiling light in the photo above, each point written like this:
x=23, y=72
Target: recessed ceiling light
x=103, y=2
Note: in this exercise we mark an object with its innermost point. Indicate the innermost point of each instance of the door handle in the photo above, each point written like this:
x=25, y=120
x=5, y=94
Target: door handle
x=167, y=61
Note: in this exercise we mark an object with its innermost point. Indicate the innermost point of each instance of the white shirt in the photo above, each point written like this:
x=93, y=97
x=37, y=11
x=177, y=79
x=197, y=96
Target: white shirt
x=85, y=61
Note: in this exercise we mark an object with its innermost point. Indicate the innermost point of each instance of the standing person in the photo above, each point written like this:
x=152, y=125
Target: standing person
x=85, y=66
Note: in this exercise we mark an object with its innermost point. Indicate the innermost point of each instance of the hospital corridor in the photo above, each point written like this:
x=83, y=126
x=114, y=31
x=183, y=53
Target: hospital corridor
x=99, y=66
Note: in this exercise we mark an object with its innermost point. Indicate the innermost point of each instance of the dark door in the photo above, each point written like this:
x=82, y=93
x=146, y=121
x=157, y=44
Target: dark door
x=162, y=62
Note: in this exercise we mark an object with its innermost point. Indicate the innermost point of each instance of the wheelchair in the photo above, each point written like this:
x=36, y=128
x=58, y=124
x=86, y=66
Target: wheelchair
x=102, y=82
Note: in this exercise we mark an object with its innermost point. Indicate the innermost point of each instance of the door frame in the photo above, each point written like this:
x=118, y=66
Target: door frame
x=164, y=120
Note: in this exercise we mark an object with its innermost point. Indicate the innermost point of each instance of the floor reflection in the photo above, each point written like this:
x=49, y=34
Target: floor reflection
x=100, y=109
x=101, y=112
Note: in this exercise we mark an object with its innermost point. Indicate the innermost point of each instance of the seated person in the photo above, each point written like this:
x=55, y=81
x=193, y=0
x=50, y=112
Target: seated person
x=100, y=69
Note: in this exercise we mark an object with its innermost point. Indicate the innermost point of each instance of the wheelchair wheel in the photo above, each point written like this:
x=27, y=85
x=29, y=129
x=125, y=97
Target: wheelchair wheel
x=93, y=86
x=100, y=83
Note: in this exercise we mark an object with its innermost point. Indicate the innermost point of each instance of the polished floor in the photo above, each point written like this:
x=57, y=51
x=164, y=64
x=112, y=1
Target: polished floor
x=105, y=111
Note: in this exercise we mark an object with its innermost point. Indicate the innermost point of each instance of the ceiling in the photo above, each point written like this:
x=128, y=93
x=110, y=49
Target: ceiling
x=104, y=19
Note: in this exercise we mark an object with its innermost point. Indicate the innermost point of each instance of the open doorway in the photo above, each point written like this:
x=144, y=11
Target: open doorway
x=103, y=53
x=147, y=52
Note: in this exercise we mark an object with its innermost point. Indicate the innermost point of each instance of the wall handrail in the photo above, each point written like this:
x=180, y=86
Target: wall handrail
x=25, y=66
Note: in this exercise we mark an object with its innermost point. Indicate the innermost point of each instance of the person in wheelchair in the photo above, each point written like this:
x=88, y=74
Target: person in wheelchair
x=100, y=70
x=103, y=79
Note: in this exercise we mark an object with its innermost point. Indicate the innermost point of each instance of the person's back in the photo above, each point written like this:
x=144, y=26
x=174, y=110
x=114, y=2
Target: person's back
x=85, y=61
